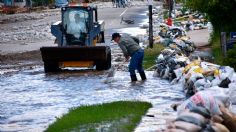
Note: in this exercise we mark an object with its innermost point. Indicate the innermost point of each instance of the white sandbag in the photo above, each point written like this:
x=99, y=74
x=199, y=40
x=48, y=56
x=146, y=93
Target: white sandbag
x=226, y=72
x=160, y=57
x=220, y=94
x=179, y=58
x=189, y=127
x=233, y=79
x=180, y=42
x=202, y=98
x=198, y=117
x=179, y=72
x=166, y=74
x=232, y=93
x=216, y=81
x=232, y=109
x=207, y=66
x=194, y=76
x=201, y=84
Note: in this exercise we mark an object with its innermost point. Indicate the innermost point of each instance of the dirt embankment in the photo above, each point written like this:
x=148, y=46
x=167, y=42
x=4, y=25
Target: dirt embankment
x=21, y=35
x=11, y=63
x=20, y=57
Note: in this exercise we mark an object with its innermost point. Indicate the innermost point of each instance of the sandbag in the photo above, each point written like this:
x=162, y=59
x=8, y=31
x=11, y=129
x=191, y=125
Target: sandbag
x=226, y=72
x=203, y=99
x=201, y=84
x=194, y=118
x=232, y=93
x=229, y=119
x=195, y=76
x=202, y=111
x=174, y=130
x=233, y=79
x=209, y=66
x=188, y=127
x=220, y=128
x=221, y=95
x=194, y=63
x=208, y=128
x=160, y=58
x=216, y=119
x=179, y=72
x=225, y=83
x=215, y=82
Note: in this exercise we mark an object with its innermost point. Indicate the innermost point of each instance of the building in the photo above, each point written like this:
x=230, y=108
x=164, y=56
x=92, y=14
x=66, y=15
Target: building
x=17, y=3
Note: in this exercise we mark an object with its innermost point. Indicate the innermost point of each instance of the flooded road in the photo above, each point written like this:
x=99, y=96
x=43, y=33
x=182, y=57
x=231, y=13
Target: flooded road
x=31, y=99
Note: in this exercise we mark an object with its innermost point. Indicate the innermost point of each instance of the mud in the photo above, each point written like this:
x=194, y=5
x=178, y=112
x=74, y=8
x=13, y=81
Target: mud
x=20, y=57
x=13, y=63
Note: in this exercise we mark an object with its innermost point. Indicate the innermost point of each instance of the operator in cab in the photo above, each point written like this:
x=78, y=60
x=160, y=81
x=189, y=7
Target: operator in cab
x=77, y=26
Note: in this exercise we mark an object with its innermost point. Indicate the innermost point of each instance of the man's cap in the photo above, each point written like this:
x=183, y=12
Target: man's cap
x=115, y=35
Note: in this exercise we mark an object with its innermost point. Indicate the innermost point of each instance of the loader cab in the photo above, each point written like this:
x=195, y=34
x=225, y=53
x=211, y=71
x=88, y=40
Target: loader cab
x=80, y=25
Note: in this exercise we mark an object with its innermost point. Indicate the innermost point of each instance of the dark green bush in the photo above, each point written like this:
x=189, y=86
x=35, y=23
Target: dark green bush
x=231, y=58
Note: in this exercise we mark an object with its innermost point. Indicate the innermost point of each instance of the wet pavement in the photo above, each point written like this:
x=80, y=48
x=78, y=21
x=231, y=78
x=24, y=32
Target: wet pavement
x=31, y=99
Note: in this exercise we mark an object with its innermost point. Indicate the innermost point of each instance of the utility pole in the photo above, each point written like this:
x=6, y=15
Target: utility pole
x=170, y=7
x=150, y=24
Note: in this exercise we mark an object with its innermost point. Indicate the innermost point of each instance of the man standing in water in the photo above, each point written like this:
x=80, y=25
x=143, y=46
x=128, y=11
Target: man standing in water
x=130, y=48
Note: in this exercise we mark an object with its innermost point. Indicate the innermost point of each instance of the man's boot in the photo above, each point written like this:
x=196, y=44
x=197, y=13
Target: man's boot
x=143, y=76
x=133, y=78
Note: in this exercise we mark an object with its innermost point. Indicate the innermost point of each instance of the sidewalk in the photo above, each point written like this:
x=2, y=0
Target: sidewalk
x=199, y=37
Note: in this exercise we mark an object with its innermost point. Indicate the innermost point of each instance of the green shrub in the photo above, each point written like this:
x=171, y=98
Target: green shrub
x=150, y=55
x=231, y=58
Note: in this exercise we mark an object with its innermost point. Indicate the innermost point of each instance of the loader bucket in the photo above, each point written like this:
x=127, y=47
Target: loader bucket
x=53, y=57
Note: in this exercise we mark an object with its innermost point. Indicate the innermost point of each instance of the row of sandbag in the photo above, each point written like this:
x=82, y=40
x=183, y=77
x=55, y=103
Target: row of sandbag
x=199, y=75
x=176, y=38
x=207, y=84
x=203, y=112
x=195, y=21
x=199, y=79
x=195, y=75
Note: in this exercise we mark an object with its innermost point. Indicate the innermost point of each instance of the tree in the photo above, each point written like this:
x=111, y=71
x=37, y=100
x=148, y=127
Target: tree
x=221, y=13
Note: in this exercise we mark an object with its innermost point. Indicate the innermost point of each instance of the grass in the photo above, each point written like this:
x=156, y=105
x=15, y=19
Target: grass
x=150, y=55
x=216, y=49
x=165, y=14
x=116, y=116
x=180, y=19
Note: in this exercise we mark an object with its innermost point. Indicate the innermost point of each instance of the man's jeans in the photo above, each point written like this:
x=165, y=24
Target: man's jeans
x=136, y=62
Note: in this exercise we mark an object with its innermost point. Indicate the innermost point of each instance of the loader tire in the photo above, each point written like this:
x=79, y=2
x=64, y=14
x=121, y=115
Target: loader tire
x=51, y=67
x=107, y=64
x=104, y=65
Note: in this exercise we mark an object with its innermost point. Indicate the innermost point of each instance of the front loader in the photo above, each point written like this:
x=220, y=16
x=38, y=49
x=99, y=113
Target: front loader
x=76, y=35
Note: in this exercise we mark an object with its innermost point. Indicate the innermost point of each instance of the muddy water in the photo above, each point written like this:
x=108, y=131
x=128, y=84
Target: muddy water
x=31, y=99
